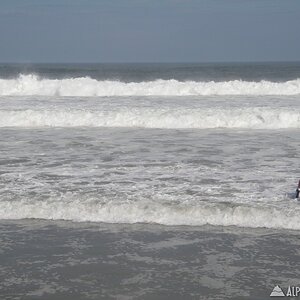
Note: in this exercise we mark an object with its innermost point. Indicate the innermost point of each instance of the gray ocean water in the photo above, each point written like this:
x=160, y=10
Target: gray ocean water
x=173, y=164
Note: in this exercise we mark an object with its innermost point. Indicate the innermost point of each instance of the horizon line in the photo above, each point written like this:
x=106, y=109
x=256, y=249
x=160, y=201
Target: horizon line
x=152, y=62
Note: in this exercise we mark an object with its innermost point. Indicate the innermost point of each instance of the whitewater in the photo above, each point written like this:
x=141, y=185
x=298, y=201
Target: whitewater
x=163, y=176
x=255, y=118
x=26, y=85
x=193, y=214
x=181, y=112
x=184, y=149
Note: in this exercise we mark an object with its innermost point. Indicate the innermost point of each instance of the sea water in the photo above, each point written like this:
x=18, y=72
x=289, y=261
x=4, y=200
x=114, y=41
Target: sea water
x=149, y=181
x=172, y=144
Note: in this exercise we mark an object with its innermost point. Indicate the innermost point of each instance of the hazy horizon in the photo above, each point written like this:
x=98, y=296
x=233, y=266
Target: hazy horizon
x=147, y=62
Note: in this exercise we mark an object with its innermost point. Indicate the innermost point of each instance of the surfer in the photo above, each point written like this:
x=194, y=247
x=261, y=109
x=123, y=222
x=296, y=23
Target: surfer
x=298, y=190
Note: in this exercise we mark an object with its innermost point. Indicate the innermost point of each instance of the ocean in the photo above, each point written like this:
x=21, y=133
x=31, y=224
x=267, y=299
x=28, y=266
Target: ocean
x=149, y=181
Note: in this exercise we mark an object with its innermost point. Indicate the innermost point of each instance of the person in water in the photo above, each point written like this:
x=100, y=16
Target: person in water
x=298, y=190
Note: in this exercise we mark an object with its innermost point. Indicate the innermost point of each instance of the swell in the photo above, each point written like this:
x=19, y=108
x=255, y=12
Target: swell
x=28, y=85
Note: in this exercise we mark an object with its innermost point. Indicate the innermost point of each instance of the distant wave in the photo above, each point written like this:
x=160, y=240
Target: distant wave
x=33, y=85
x=224, y=214
x=253, y=117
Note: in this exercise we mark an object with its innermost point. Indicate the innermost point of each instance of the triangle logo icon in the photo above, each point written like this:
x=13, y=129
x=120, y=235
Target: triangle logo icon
x=277, y=292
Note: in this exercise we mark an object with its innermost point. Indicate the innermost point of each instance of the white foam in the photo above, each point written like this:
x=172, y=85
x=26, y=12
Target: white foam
x=156, y=117
x=26, y=85
x=204, y=213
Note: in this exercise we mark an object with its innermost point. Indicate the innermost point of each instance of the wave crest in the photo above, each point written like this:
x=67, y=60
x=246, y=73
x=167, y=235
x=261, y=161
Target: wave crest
x=223, y=214
x=28, y=85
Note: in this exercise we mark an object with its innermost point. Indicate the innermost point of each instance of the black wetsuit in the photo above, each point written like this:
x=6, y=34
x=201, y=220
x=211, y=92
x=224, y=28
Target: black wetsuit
x=297, y=192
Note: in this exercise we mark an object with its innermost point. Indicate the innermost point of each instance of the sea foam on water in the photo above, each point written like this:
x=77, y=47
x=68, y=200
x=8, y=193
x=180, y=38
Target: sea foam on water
x=86, y=86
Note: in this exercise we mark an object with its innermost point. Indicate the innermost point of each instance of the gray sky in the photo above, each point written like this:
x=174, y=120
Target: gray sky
x=149, y=30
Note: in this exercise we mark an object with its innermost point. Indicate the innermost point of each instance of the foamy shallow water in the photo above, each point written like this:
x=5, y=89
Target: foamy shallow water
x=173, y=177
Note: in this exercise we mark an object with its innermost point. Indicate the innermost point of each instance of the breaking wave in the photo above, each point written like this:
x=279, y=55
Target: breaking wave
x=223, y=214
x=28, y=85
x=252, y=118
